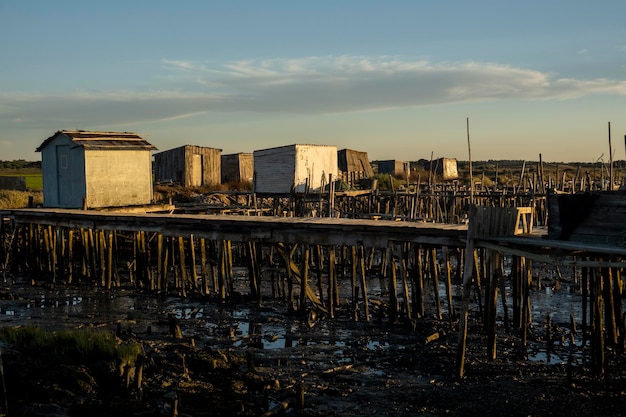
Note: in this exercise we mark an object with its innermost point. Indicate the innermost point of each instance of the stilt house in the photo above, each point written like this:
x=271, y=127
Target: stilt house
x=394, y=167
x=237, y=167
x=189, y=166
x=294, y=168
x=96, y=169
x=354, y=165
x=446, y=168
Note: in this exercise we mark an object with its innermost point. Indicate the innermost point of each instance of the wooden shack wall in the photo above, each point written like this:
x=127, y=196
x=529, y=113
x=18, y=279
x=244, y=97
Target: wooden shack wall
x=170, y=165
x=274, y=169
x=237, y=167
x=211, y=164
x=357, y=162
x=118, y=177
x=393, y=167
x=445, y=167
x=63, y=173
x=594, y=217
x=291, y=168
x=177, y=165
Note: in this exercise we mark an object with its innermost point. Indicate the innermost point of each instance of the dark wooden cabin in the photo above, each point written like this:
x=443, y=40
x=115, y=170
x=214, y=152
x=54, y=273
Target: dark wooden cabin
x=189, y=166
x=446, y=168
x=354, y=164
x=237, y=167
x=394, y=167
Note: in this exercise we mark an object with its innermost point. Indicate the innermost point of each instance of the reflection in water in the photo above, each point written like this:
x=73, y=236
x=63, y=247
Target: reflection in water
x=240, y=326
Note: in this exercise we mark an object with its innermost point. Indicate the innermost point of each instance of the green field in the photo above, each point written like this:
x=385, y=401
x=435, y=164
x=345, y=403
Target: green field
x=33, y=181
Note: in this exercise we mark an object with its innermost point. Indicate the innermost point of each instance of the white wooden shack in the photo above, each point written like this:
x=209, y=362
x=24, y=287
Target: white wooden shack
x=237, y=167
x=354, y=164
x=394, y=167
x=96, y=169
x=189, y=166
x=294, y=168
x=446, y=168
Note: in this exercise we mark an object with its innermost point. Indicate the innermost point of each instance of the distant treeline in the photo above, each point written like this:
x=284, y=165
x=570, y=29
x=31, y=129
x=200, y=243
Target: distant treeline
x=20, y=164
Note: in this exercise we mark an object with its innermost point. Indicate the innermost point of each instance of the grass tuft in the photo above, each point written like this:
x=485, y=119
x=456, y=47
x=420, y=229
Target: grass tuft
x=69, y=345
x=11, y=199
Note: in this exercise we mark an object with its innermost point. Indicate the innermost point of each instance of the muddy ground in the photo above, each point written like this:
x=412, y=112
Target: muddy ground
x=242, y=359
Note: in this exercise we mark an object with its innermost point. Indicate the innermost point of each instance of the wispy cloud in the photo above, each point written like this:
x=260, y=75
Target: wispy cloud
x=310, y=85
x=582, y=52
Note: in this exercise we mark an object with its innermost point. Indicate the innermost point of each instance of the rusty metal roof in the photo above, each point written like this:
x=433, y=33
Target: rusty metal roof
x=102, y=140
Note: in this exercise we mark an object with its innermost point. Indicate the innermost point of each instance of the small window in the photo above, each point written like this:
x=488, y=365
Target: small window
x=63, y=161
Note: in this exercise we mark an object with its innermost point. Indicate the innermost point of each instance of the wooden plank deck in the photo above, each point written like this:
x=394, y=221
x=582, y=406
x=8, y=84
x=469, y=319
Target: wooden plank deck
x=312, y=230
x=323, y=231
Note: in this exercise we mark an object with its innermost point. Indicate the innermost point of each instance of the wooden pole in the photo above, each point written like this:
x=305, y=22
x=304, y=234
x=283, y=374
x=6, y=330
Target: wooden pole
x=393, y=296
x=468, y=271
x=434, y=271
x=304, y=279
x=610, y=161
x=364, y=282
x=471, y=175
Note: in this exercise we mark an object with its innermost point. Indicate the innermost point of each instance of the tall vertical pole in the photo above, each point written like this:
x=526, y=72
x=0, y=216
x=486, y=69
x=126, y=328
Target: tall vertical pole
x=469, y=151
x=610, y=161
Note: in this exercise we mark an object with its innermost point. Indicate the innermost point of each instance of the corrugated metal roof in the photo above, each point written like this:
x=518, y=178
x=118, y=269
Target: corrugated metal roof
x=102, y=140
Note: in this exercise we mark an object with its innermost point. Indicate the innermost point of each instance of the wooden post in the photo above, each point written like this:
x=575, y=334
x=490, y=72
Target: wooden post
x=182, y=264
x=364, y=282
x=253, y=270
x=353, y=280
x=448, y=271
x=304, y=279
x=194, y=271
x=393, y=297
x=471, y=175
x=70, y=255
x=418, y=283
x=102, y=251
x=610, y=161
x=492, y=300
x=405, y=280
x=468, y=270
x=109, y=267
x=331, y=281
x=434, y=270
x=160, y=270
x=204, y=270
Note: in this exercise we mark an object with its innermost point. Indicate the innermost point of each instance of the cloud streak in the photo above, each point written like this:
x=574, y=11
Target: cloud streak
x=314, y=85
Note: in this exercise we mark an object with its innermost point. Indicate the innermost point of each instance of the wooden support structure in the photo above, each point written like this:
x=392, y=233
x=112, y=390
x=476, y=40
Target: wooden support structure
x=195, y=255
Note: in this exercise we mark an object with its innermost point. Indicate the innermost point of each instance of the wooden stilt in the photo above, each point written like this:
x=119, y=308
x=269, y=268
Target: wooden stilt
x=182, y=266
x=434, y=270
x=448, y=276
x=109, y=267
x=331, y=281
x=393, y=296
x=364, y=283
x=304, y=279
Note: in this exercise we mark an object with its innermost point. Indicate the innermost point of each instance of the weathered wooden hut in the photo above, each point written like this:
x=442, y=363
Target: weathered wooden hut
x=394, y=167
x=237, y=167
x=597, y=217
x=96, y=169
x=294, y=168
x=354, y=164
x=446, y=168
x=189, y=166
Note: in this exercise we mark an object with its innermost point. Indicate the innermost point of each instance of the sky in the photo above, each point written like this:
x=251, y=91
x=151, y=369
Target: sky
x=404, y=80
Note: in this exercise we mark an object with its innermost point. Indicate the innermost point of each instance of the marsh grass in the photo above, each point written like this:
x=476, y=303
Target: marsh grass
x=11, y=199
x=69, y=345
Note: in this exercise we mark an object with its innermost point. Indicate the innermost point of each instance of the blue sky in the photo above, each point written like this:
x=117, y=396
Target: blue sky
x=397, y=79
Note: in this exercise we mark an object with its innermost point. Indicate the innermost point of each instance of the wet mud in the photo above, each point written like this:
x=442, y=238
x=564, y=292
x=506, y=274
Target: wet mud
x=245, y=358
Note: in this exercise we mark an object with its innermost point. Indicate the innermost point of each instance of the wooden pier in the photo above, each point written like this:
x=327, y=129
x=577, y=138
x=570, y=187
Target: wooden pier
x=302, y=259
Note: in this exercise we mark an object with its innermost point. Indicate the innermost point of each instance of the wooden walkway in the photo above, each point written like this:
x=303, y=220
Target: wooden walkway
x=46, y=236
x=311, y=230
